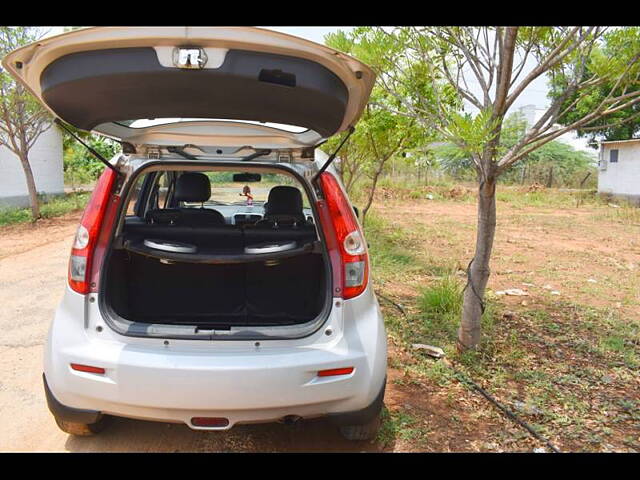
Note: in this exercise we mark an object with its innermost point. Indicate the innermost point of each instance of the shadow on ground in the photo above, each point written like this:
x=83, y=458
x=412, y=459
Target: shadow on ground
x=142, y=436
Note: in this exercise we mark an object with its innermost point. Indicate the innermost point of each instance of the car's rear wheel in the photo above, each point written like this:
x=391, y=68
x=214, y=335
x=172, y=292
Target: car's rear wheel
x=83, y=429
x=365, y=431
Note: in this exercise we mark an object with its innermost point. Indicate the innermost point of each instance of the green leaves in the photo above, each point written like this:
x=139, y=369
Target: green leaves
x=472, y=132
x=612, y=70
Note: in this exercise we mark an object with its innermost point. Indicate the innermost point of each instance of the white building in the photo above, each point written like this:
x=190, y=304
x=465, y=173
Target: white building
x=619, y=169
x=46, y=162
x=532, y=114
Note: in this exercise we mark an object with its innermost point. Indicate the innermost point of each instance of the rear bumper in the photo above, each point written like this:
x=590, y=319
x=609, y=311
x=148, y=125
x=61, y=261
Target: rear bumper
x=65, y=413
x=77, y=415
x=243, y=382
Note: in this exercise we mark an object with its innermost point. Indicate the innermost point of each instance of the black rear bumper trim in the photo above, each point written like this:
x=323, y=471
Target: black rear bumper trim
x=68, y=414
x=360, y=417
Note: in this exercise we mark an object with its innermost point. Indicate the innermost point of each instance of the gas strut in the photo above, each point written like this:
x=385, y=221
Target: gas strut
x=87, y=146
x=333, y=155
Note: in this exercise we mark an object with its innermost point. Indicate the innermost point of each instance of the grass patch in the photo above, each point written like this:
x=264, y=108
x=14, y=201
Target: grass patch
x=444, y=298
x=9, y=216
x=387, y=246
x=398, y=424
x=626, y=214
x=50, y=207
x=573, y=366
x=519, y=197
x=440, y=306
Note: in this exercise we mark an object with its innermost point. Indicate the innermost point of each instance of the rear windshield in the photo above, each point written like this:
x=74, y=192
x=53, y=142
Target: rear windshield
x=225, y=191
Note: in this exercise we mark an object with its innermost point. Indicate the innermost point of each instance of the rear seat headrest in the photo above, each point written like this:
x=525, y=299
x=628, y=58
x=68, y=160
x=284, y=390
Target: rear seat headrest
x=193, y=187
x=284, y=200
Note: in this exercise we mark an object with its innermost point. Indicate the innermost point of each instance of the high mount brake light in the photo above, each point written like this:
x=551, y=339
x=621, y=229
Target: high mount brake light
x=344, y=238
x=100, y=212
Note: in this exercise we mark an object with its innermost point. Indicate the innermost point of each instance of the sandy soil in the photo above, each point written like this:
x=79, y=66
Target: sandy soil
x=570, y=250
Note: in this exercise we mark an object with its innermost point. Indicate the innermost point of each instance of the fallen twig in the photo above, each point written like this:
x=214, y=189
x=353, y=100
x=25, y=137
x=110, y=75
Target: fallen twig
x=512, y=416
x=465, y=379
x=399, y=307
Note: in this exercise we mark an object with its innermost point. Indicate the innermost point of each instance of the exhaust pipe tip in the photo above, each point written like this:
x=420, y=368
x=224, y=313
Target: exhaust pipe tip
x=290, y=419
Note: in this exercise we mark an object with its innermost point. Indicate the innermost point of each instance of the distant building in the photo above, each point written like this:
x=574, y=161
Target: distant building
x=46, y=162
x=532, y=114
x=619, y=169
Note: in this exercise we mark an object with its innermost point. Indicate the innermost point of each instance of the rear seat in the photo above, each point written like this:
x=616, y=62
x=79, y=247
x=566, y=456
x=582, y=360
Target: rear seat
x=223, y=237
x=283, y=220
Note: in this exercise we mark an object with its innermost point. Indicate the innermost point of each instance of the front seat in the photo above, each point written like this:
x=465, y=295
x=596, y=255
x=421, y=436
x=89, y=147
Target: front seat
x=283, y=208
x=190, y=187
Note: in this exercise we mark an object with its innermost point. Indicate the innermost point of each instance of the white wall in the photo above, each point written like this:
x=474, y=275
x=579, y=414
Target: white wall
x=46, y=162
x=623, y=177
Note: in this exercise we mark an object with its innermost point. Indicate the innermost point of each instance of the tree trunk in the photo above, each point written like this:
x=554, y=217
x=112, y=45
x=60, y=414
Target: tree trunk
x=472, y=307
x=550, y=178
x=31, y=187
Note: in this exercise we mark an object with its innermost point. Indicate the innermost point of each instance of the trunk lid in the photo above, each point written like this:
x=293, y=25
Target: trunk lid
x=107, y=79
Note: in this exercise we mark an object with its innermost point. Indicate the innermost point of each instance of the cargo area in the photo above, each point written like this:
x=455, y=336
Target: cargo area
x=185, y=259
x=267, y=293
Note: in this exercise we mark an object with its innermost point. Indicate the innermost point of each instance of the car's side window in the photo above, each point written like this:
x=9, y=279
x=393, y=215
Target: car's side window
x=134, y=198
x=161, y=191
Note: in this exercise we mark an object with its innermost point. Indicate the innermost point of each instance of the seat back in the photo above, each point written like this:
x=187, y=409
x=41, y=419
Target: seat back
x=283, y=208
x=190, y=187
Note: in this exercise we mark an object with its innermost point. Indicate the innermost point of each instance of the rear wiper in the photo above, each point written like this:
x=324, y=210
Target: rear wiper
x=256, y=154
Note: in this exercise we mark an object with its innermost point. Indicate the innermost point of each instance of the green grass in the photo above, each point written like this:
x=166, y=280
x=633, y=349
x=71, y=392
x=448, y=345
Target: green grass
x=576, y=363
x=627, y=214
x=50, y=207
x=444, y=298
x=9, y=216
x=388, y=246
x=399, y=425
x=546, y=198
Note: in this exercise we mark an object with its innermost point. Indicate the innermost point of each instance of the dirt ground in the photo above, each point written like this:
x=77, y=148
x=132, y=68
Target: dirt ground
x=424, y=414
x=33, y=260
x=569, y=345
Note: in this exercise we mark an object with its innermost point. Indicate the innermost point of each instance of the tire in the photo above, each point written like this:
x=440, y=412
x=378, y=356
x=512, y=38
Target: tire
x=366, y=431
x=83, y=429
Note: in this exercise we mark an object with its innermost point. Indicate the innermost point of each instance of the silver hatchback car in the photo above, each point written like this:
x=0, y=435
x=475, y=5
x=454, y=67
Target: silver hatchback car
x=219, y=274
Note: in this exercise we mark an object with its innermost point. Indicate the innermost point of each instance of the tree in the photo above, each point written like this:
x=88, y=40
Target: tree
x=431, y=72
x=553, y=161
x=380, y=136
x=80, y=166
x=22, y=118
x=623, y=124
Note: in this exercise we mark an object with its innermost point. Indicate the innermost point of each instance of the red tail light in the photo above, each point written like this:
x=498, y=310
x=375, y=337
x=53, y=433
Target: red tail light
x=84, y=253
x=344, y=238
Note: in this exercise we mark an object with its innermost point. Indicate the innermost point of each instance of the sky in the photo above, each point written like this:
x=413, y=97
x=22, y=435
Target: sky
x=534, y=94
